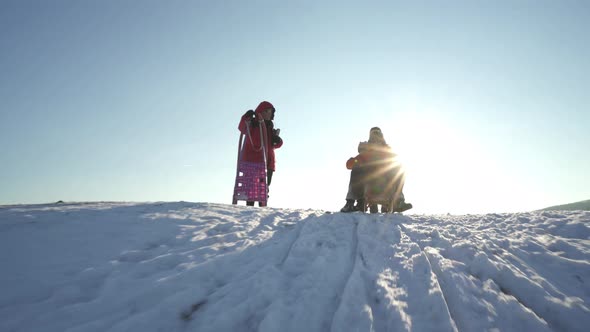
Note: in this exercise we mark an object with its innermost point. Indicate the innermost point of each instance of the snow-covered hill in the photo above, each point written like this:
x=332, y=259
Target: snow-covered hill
x=212, y=267
x=582, y=205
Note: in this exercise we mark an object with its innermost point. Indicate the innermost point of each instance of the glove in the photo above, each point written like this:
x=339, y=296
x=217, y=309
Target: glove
x=276, y=140
x=351, y=163
x=249, y=114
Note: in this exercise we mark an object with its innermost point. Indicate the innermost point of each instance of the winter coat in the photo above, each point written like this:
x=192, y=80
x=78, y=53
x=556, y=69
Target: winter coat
x=250, y=127
x=370, y=153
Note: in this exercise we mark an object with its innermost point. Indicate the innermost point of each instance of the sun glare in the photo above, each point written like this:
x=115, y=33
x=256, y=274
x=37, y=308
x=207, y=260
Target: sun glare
x=445, y=171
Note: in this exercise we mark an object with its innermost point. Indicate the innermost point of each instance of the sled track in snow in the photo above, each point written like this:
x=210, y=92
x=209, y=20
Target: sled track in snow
x=405, y=232
x=443, y=289
x=354, y=254
x=476, y=263
x=296, y=237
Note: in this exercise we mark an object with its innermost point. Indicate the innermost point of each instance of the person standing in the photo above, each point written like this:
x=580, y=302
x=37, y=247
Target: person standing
x=253, y=146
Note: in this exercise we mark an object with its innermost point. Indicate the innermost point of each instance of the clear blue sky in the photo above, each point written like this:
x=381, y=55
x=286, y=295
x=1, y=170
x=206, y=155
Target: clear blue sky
x=485, y=101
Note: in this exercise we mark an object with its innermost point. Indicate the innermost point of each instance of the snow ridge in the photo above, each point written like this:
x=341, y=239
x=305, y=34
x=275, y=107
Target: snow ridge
x=211, y=267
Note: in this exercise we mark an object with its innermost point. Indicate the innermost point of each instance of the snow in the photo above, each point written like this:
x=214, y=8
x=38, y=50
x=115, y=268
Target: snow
x=212, y=267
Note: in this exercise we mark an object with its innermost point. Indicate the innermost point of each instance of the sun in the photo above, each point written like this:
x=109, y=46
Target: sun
x=442, y=168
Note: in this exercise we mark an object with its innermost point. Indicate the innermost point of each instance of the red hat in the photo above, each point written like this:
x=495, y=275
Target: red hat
x=264, y=106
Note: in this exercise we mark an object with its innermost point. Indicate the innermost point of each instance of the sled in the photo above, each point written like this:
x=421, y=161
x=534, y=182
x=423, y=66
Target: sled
x=387, y=192
x=390, y=203
x=250, y=184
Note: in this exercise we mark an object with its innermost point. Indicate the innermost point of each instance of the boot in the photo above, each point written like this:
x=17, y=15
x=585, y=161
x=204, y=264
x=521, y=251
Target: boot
x=360, y=205
x=349, y=207
x=373, y=208
x=404, y=206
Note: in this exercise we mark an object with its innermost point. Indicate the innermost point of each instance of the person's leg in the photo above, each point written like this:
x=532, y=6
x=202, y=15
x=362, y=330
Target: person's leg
x=400, y=201
x=390, y=188
x=377, y=184
x=356, y=190
x=268, y=176
x=349, y=206
x=356, y=185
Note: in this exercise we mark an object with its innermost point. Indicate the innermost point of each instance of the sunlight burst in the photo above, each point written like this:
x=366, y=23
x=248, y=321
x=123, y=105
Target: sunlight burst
x=443, y=166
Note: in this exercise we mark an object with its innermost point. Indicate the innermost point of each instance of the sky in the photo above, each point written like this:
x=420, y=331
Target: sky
x=484, y=101
x=182, y=266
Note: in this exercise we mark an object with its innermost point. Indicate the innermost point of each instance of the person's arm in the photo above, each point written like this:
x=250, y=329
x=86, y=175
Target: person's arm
x=248, y=116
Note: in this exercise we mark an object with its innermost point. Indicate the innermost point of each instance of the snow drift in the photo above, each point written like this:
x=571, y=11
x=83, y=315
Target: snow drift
x=213, y=267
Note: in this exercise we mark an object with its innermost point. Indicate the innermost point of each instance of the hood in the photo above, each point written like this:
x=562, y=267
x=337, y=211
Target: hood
x=263, y=105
